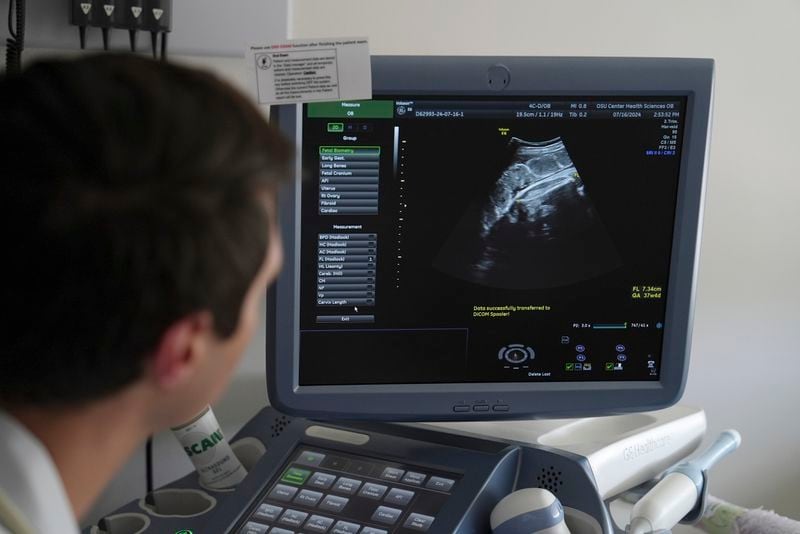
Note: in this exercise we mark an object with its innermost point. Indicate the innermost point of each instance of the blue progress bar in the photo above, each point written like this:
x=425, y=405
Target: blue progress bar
x=622, y=326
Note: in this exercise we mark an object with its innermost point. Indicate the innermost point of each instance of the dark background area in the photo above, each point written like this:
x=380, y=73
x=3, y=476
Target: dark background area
x=424, y=329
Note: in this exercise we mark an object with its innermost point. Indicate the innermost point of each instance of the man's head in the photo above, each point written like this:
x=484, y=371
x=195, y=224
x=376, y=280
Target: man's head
x=140, y=231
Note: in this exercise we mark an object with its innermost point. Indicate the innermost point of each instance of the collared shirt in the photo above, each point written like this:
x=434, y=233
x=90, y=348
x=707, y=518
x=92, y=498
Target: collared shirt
x=30, y=485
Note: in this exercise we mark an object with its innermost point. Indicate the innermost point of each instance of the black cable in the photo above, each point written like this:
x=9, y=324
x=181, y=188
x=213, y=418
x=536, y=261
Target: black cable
x=148, y=460
x=11, y=19
x=154, y=43
x=105, y=39
x=132, y=34
x=163, y=46
x=16, y=43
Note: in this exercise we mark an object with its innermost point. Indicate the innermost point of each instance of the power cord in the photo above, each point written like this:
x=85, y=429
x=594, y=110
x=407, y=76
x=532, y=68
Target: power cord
x=163, y=46
x=16, y=43
x=148, y=460
x=154, y=44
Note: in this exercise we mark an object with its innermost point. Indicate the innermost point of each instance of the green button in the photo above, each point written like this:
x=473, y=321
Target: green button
x=335, y=127
x=609, y=366
x=570, y=366
x=295, y=476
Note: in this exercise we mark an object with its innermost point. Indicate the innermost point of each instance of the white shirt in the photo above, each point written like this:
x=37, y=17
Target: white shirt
x=30, y=485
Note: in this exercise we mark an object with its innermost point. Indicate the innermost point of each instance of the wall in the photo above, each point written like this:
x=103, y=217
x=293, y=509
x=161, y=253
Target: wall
x=200, y=27
x=745, y=364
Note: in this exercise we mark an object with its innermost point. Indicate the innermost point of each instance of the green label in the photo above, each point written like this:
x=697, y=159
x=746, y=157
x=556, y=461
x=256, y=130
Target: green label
x=204, y=444
x=353, y=109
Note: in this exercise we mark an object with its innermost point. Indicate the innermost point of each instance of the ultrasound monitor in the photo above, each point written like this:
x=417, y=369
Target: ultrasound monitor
x=492, y=238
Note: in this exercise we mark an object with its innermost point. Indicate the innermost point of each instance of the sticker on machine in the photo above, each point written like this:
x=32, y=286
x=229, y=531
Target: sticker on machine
x=310, y=70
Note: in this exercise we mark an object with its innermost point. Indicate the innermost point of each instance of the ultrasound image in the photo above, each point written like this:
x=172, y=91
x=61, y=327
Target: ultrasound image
x=537, y=229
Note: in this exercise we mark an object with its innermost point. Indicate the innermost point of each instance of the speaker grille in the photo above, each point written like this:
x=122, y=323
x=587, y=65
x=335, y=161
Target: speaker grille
x=550, y=479
x=279, y=424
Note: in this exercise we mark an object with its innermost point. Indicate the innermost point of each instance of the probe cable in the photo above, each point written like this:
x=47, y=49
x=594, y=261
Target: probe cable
x=16, y=43
x=148, y=460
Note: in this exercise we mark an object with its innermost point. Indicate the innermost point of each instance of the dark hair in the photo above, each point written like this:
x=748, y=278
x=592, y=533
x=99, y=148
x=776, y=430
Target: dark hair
x=131, y=195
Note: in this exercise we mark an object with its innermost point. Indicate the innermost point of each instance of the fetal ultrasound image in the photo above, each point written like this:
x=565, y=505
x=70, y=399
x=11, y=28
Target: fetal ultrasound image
x=536, y=229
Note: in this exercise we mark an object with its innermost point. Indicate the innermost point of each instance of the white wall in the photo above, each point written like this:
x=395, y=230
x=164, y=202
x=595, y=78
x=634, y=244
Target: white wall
x=199, y=27
x=746, y=350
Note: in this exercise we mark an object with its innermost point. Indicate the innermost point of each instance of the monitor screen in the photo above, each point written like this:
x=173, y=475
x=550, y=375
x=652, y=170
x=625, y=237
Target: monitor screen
x=457, y=238
x=477, y=240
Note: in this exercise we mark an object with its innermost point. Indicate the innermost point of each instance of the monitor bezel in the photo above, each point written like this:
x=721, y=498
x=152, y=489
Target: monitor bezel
x=529, y=77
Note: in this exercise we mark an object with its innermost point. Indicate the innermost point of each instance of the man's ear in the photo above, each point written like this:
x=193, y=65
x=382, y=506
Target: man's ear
x=180, y=349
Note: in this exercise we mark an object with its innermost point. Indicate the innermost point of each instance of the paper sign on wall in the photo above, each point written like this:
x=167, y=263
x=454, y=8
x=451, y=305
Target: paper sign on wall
x=311, y=70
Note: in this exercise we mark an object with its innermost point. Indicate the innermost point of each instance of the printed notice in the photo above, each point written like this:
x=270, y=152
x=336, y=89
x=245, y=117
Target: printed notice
x=311, y=70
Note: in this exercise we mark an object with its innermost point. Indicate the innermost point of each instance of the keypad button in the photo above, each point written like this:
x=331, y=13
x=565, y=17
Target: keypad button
x=347, y=485
x=372, y=491
x=268, y=512
x=386, y=515
x=310, y=458
x=399, y=497
x=418, y=522
x=373, y=530
x=335, y=462
x=332, y=503
x=293, y=518
x=441, y=484
x=345, y=527
x=357, y=467
x=278, y=530
x=414, y=478
x=282, y=493
x=254, y=528
x=308, y=497
x=321, y=480
x=295, y=476
x=392, y=474
x=318, y=523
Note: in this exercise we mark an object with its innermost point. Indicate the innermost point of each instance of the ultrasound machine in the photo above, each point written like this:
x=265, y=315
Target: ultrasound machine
x=484, y=317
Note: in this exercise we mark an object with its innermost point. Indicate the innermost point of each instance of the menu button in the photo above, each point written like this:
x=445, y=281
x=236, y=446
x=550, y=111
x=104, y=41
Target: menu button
x=439, y=483
x=418, y=522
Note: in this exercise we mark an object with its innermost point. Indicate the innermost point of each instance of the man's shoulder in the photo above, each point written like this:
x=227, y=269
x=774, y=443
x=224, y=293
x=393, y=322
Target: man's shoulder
x=32, y=495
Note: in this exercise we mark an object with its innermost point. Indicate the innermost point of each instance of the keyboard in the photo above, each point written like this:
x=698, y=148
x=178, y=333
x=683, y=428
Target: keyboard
x=320, y=491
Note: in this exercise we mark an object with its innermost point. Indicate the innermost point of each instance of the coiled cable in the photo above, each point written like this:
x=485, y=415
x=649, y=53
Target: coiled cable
x=16, y=43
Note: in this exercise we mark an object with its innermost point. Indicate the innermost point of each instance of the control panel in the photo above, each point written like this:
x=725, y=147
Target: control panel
x=306, y=477
x=326, y=491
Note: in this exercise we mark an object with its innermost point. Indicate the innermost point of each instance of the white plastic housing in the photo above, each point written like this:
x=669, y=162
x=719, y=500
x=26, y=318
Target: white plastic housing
x=623, y=451
x=665, y=505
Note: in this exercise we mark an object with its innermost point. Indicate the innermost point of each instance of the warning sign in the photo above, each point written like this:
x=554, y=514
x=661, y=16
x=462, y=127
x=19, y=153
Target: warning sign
x=311, y=70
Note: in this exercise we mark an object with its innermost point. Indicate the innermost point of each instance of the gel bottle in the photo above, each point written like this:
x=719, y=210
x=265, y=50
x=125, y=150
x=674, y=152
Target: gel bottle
x=209, y=451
